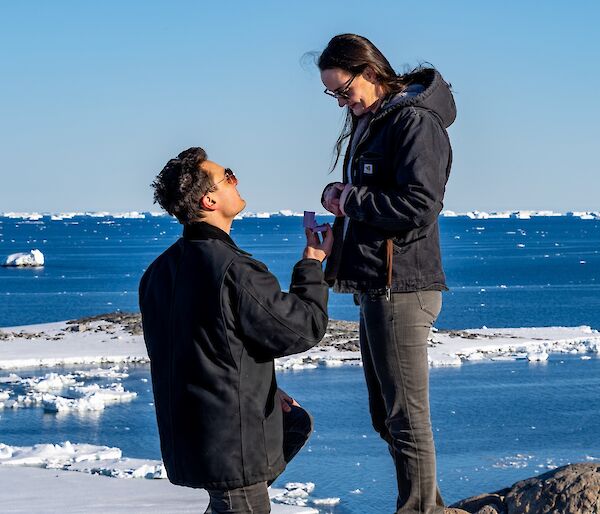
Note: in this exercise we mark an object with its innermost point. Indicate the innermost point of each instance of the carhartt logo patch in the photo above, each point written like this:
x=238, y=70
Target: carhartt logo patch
x=368, y=169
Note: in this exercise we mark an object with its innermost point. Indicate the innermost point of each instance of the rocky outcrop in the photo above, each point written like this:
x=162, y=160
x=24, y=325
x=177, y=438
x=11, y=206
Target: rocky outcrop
x=572, y=489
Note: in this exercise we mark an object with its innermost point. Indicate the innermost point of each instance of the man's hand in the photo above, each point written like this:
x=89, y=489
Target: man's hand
x=315, y=248
x=286, y=401
x=331, y=198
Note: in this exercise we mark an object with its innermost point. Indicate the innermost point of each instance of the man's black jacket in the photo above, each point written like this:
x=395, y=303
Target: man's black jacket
x=214, y=319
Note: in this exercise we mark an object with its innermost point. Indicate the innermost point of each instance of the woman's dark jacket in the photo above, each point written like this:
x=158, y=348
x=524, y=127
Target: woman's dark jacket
x=214, y=319
x=399, y=172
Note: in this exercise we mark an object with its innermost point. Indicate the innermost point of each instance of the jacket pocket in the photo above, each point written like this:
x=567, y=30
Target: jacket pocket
x=369, y=169
x=430, y=303
x=402, y=242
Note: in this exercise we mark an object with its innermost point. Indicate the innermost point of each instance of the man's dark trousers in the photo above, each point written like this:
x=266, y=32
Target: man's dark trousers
x=254, y=499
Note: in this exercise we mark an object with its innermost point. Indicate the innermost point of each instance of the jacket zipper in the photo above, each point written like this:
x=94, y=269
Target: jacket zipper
x=389, y=246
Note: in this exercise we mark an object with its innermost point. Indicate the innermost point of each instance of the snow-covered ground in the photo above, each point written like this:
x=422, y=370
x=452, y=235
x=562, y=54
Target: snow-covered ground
x=85, y=478
x=117, y=339
x=33, y=489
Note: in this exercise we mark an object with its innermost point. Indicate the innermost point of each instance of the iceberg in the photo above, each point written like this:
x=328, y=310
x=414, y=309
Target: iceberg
x=537, y=356
x=34, y=258
x=132, y=215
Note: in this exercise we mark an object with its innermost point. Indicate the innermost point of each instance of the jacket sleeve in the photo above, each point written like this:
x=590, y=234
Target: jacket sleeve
x=275, y=323
x=419, y=167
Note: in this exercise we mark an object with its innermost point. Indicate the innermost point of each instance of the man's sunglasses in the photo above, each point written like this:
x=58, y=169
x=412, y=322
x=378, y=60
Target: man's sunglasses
x=341, y=92
x=229, y=177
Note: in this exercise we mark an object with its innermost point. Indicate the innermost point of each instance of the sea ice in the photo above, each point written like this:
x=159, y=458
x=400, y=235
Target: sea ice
x=309, y=487
x=537, y=356
x=52, y=403
x=43, y=391
x=129, y=215
x=326, y=501
x=31, y=259
x=295, y=493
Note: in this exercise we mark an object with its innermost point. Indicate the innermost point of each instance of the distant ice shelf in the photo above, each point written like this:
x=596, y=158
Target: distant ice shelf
x=520, y=214
x=473, y=214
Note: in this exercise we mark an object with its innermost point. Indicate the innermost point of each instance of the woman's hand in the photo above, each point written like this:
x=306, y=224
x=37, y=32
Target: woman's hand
x=330, y=199
x=315, y=248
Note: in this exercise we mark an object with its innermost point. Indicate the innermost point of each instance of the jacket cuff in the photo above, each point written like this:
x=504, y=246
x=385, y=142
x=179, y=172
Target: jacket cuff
x=344, y=197
x=325, y=189
x=307, y=272
x=305, y=262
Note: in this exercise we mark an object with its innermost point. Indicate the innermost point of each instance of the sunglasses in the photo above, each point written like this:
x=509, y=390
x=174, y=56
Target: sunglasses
x=229, y=177
x=341, y=92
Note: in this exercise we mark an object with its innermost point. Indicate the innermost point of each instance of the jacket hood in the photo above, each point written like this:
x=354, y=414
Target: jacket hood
x=436, y=96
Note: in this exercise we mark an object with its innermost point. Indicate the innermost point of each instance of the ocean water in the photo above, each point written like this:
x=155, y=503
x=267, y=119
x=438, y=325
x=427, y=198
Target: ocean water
x=501, y=272
x=494, y=423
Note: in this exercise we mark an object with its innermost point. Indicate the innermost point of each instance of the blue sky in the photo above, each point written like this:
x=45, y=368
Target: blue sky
x=96, y=96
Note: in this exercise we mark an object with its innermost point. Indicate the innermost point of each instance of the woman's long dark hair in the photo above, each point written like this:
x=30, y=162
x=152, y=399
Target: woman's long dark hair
x=353, y=53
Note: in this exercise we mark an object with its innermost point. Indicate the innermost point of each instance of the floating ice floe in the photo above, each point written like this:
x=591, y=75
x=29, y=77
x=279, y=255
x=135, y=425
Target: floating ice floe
x=86, y=458
x=129, y=215
x=537, y=356
x=32, y=259
x=299, y=494
x=326, y=501
x=44, y=392
x=295, y=363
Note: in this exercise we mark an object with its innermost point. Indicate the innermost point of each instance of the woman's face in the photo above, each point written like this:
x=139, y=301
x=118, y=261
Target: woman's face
x=360, y=93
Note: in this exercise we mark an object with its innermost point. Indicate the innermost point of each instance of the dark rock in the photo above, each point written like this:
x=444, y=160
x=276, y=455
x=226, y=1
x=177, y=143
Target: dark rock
x=478, y=503
x=489, y=509
x=572, y=489
x=76, y=327
x=131, y=322
x=342, y=335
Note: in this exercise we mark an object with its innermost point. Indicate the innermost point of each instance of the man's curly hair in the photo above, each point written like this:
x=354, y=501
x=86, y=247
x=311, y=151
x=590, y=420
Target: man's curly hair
x=180, y=185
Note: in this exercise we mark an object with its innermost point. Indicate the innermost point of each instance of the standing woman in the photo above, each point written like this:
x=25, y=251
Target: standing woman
x=387, y=249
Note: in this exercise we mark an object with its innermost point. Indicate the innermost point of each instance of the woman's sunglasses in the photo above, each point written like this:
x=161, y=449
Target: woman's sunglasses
x=341, y=92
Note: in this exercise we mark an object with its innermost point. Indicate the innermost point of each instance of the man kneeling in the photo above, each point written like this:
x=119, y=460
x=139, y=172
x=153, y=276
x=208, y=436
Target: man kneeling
x=214, y=319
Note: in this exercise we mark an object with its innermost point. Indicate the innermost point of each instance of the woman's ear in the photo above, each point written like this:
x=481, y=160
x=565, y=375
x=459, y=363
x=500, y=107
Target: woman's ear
x=369, y=75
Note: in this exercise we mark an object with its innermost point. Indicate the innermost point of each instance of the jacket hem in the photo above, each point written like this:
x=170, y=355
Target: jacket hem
x=232, y=484
x=406, y=286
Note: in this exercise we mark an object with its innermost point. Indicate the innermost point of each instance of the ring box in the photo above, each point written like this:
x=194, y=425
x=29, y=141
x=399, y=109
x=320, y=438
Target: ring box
x=310, y=221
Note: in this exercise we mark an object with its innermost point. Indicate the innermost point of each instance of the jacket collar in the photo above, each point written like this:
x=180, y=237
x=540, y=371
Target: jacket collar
x=434, y=95
x=201, y=231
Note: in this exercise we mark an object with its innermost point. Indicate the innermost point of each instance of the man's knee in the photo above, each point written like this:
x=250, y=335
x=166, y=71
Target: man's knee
x=380, y=426
x=298, y=420
x=297, y=427
x=243, y=500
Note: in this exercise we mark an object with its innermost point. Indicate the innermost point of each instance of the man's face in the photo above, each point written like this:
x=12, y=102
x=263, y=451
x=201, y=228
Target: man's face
x=224, y=194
